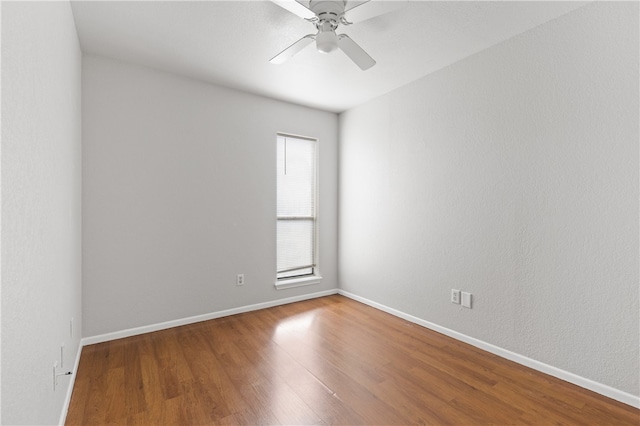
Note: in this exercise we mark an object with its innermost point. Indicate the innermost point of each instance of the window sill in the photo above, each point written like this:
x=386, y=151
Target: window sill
x=298, y=282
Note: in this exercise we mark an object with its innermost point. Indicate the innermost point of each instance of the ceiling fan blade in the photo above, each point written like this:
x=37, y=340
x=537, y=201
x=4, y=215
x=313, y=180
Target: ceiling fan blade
x=290, y=51
x=354, y=3
x=363, y=10
x=355, y=52
x=297, y=8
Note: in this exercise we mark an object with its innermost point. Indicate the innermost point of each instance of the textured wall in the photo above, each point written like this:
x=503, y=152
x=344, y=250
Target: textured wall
x=513, y=175
x=179, y=186
x=41, y=200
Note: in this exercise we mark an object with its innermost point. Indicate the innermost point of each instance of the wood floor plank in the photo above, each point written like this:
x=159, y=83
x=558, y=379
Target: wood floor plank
x=349, y=381
x=133, y=382
x=114, y=394
x=95, y=409
x=209, y=376
x=323, y=361
x=259, y=350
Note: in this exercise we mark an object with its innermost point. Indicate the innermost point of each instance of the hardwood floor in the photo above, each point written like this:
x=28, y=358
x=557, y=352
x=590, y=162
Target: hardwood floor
x=324, y=361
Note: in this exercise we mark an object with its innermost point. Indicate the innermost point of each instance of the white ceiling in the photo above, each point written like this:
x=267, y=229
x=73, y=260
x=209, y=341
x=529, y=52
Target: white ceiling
x=230, y=43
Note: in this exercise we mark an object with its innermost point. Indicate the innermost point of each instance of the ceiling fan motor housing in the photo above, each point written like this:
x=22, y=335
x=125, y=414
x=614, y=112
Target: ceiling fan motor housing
x=328, y=14
x=328, y=11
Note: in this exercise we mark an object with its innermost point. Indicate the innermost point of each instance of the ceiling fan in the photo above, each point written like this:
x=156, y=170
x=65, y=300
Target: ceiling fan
x=327, y=15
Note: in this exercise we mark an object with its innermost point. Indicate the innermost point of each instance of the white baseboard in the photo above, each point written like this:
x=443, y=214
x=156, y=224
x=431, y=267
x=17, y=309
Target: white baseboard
x=583, y=382
x=198, y=318
x=72, y=381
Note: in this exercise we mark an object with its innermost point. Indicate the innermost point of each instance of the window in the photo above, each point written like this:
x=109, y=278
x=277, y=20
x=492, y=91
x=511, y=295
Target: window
x=296, y=211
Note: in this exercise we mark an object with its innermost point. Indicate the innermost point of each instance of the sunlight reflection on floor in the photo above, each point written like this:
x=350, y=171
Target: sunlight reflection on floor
x=295, y=325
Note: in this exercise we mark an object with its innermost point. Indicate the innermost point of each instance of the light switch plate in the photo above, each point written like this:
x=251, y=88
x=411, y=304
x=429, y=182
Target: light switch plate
x=466, y=299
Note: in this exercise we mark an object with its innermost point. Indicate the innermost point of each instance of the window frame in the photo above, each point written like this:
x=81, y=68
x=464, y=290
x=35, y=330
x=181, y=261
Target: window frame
x=314, y=277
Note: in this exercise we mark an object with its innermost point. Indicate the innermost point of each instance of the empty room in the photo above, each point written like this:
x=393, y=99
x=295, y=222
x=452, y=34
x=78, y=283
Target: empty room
x=358, y=212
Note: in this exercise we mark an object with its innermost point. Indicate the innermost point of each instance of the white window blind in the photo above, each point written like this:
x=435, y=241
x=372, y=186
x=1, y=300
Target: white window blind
x=296, y=207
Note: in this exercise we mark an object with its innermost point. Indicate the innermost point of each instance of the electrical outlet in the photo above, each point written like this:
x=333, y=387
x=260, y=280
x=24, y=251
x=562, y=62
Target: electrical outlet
x=455, y=296
x=466, y=299
x=240, y=279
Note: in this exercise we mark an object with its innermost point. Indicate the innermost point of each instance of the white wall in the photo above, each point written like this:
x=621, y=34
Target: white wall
x=513, y=175
x=179, y=196
x=41, y=201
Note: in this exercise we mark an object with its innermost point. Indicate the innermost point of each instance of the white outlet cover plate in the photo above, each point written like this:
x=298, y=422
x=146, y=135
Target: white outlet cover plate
x=455, y=296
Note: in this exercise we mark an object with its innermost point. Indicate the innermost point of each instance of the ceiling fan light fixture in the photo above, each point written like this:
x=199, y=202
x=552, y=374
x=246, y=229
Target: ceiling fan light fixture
x=326, y=41
x=328, y=16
